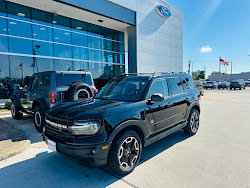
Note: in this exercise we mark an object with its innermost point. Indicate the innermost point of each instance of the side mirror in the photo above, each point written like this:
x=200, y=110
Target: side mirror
x=157, y=97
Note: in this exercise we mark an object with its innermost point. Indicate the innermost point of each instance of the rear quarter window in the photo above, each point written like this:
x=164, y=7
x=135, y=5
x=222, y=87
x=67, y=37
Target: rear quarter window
x=176, y=86
x=68, y=79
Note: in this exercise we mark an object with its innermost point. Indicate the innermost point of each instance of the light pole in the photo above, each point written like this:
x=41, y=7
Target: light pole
x=192, y=67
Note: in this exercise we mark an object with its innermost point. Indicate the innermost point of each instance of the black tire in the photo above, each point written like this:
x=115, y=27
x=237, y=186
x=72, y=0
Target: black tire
x=14, y=112
x=193, y=122
x=230, y=88
x=240, y=88
x=119, y=148
x=79, y=91
x=39, y=118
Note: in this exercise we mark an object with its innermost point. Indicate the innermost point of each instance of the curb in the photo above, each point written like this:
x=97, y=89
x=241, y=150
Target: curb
x=12, y=141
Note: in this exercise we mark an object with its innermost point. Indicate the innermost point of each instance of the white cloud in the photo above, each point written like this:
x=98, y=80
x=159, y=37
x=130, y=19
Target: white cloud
x=206, y=49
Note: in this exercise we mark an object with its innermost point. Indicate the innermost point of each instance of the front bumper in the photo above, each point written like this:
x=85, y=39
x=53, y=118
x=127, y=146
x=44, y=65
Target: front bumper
x=92, y=155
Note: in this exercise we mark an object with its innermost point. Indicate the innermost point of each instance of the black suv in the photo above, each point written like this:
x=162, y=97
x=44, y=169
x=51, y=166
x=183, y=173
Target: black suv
x=129, y=113
x=237, y=84
x=47, y=89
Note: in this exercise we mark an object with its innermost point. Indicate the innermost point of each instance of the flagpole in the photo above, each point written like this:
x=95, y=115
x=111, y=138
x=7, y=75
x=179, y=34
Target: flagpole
x=22, y=71
x=231, y=71
x=219, y=68
x=219, y=65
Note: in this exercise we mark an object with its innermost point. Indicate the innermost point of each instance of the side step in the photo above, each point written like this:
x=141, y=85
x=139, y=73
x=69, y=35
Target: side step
x=164, y=133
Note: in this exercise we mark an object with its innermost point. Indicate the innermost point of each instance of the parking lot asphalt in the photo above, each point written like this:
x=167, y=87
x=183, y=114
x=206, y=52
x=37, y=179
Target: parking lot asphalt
x=217, y=156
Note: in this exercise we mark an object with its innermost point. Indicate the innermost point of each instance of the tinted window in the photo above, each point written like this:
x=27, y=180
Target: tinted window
x=176, y=86
x=35, y=82
x=44, y=81
x=68, y=79
x=159, y=86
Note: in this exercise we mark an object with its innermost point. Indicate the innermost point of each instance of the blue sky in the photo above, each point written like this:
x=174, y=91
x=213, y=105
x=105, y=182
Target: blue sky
x=221, y=27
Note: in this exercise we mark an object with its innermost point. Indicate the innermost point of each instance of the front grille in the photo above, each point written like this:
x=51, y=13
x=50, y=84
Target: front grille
x=60, y=120
x=57, y=137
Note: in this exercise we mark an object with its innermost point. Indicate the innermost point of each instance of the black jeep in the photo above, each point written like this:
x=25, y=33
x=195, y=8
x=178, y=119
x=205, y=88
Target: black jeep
x=129, y=113
x=48, y=89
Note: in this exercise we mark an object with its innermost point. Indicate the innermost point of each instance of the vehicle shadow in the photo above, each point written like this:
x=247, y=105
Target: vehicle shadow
x=54, y=169
x=158, y=147
x=162, y=145
x=26, y=126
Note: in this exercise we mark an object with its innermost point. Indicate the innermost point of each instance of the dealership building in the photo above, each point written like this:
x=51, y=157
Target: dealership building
x=105, y=37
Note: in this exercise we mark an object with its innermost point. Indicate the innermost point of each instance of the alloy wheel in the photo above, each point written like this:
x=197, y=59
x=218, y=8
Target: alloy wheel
x=194, y=122
x=38, y=119
x=128, y=153
x=13, y=109
x=82, y=94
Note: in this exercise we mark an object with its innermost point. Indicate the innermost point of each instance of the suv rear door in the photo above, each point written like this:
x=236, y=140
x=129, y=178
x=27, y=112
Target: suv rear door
x=31, y=93
x=180, y=100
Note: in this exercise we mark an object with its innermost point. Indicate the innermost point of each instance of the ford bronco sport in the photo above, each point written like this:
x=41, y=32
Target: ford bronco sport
x=50, y=88
x=129, y=113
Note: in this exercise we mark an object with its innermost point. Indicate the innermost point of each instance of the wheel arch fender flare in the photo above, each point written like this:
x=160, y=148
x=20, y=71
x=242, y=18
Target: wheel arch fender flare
x=135, y=125
x=41, y=102
x=16, y=100
x=192, y=106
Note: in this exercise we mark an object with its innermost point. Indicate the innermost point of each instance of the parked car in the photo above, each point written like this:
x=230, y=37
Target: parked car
x=224, y=85
x=247, y=83
x=48, y=89
x=129, y=113
x=199, y=86
x=211, y=85
x=237, y=84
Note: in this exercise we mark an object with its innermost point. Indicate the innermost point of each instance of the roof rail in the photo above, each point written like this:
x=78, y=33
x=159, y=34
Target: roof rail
x=152, y=74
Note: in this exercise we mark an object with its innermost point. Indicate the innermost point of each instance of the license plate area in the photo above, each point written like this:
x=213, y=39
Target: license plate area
x=52, y=145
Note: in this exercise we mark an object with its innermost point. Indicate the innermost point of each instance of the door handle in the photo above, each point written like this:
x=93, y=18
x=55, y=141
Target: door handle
x=169, y=104
x=34, y=94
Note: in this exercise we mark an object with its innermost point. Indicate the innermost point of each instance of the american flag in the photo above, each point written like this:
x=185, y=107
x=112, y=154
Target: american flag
x=19, y=66
x=222, y=62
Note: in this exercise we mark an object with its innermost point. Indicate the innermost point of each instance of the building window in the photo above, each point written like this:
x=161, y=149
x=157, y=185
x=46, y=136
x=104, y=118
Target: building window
x=41, y=41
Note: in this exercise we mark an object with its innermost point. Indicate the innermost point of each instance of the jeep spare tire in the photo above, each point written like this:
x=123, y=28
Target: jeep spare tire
x=79, y=91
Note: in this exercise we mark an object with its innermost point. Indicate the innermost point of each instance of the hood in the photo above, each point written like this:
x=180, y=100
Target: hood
x=90, y=109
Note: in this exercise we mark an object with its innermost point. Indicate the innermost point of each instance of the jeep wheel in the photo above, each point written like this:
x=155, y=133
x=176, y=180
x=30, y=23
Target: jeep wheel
x=39, y=118
x=15, y=113
x=79, y=91
x=193, y=123
x=125, y=153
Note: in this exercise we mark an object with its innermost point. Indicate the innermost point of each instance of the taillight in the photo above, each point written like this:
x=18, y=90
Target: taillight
x=53, y=97
x=96, y=91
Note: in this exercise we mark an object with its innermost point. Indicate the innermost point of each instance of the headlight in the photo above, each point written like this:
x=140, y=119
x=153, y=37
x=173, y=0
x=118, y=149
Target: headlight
x=85, y=128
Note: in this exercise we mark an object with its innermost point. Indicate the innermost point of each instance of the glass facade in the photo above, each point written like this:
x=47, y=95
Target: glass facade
x=33, y=41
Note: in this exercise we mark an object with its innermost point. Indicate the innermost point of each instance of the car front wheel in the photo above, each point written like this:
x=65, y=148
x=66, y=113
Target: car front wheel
x=193, y=122
x=15, y=113
x=39, y=118
x=125, y=153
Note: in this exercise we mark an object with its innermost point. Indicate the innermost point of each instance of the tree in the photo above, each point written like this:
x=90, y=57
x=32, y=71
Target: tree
x=215, y=73
x=199, y=74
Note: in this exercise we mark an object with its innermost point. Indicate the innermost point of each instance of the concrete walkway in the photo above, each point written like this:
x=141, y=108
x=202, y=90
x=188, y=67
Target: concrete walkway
x=12, y=141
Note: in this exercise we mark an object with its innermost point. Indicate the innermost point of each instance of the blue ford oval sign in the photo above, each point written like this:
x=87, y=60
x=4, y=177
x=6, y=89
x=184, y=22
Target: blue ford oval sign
x=163, y=11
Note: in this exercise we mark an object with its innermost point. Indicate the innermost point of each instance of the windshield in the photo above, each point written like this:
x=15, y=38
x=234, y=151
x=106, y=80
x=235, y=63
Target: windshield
x=125, y=89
